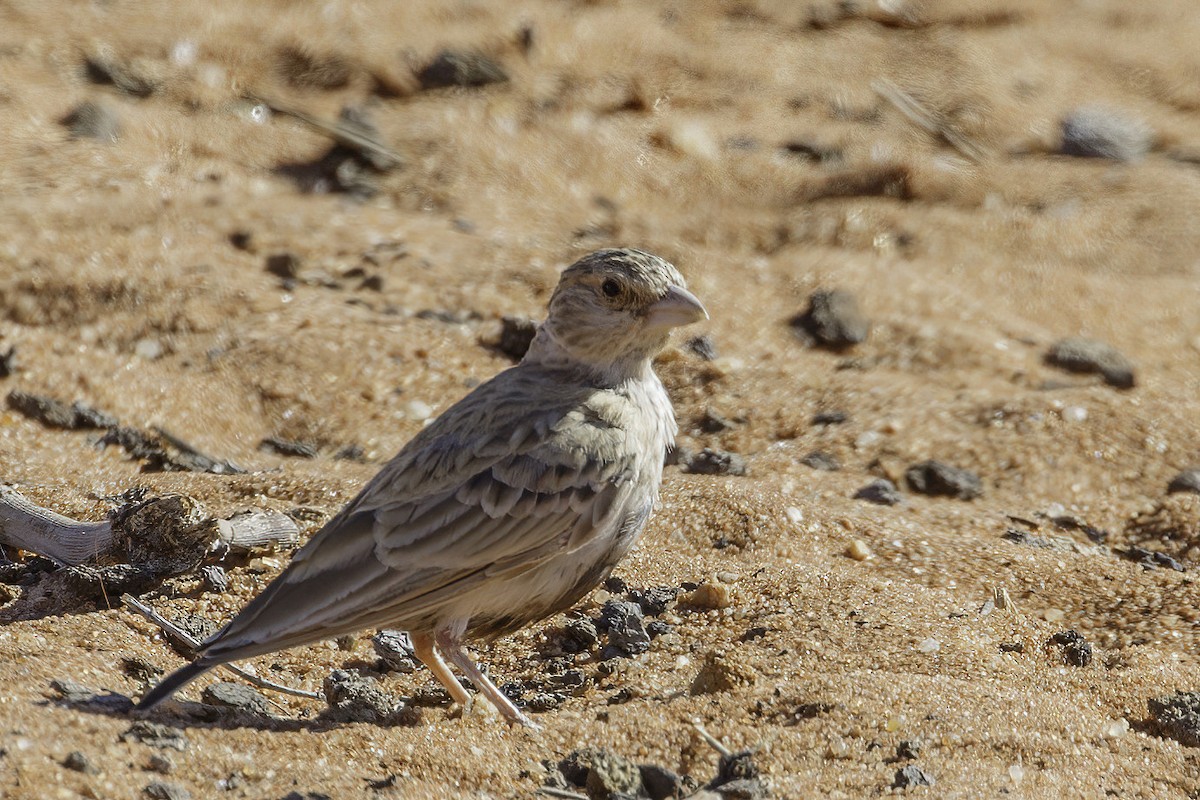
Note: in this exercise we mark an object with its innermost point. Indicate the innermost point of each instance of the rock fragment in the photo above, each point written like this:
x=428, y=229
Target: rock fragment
x=395, y=650
x=711, y=461
x=1099, y=132
x=516, y=334
x=461, y=68
x=1075, y=651
x=236, y=697
x=92, y=120
x=833, y=320
x=912, y=775
x=1178, y=716
x=1078, y=354
x=359, y=698
x=821, y=461
x=940, y=479
x=880, y=491
x=1186, y=481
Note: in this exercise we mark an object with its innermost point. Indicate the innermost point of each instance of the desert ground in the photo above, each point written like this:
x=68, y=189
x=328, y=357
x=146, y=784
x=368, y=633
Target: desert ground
x=303, y=224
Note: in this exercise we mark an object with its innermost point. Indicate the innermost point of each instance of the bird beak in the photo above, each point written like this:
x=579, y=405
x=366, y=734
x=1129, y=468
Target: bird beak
x=677, y=307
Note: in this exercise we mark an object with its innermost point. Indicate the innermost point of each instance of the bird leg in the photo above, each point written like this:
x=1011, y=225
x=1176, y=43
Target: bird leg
x=423, y=649
x=449, y=641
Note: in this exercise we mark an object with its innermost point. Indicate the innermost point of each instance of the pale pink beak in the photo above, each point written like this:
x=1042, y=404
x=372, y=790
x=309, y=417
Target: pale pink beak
x=676, y=308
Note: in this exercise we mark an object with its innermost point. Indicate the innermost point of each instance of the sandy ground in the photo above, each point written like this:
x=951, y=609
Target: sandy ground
x=744, y=142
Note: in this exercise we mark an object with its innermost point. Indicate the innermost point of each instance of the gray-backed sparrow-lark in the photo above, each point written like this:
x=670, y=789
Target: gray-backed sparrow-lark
x=509, y=507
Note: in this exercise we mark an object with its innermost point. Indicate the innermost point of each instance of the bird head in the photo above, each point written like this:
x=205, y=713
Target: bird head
x=613, y=310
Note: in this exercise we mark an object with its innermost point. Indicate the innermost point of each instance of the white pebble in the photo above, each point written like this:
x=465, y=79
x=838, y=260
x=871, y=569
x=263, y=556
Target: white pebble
x=1115, y=729
x=415, y=409
x=795, y=515
x=929, y=646
x=1016, y=773
x=1074, y=414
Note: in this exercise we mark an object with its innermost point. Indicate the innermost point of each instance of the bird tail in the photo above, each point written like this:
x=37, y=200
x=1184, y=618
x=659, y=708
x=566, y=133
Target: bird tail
x=174, y=682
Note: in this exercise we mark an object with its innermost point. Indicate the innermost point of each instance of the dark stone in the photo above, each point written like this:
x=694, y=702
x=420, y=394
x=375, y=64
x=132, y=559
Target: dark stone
x=516, y=334
x=833, y=319
x=287, y=447
x=90, y=120
x=1178, y=716
x=166, y=791
x=214, y=577
x=757, y=632
x=242, y=240
x=1186, y=481
x=1012, y=647
x=812, y=151
x=654, y=600
x=656, y=628
x=155, y=734
x=372, y=283
x=1076, y=651
x=710, y=461
x=908, y=749
x=96, y=583
x=615, y=585
x=358, y=698
x=661, y=783
x=140, y=669
x=57, y=414
x=236, y=696
x=1090, y=356
x=305, y=69
x=623, y=621
x=712, y=422
x=284, y=265
x=703, y=347
x=1097, y=132
x=734, y=767
x=880, y=491
x=939, y=479
x=821, y=461
x=830, y=418
x=395, y=650
x=124, y=76
x=912, y=775
x=460, y=68
x=579, y=635
x=351, y=452
x=742, y=789
x=1151, y=559
x=163, y=453
x=79, y=762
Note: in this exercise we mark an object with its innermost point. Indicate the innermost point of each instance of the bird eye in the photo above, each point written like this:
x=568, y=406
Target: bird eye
x=610, y=288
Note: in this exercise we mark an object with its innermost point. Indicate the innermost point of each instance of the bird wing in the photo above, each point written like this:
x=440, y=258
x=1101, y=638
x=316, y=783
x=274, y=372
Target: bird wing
x=463, y=502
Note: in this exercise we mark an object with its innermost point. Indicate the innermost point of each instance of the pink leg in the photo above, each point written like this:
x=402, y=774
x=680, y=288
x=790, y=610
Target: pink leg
x=449, y=641
x=423, y=648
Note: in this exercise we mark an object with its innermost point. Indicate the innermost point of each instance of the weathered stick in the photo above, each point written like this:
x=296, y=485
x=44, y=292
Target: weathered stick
x=923, y=118
x=40, y=530
x=71, y=542
x=183, y=636
x=346, y=135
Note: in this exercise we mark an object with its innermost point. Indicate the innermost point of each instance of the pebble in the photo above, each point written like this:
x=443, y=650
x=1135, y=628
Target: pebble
x=306, y=69
x=236, y=696
x=1178, y=716
x=830, y=417
x=655, y=599
x=132, y=78
x=602, y=773
x=1077, y=354
x=858, y=550
x=821, y=461
x=908, y=749
x=703, y=347
x=395, y=650
x=880, y=491
x=833, y=319
x=156, y=734
x=516, y=334
x=1075, y=650
x=91, y=120
x=79, y=762
x=627, y=635
x=713, y=422
x=1186, y=481
x=215, y=578
x=160, y=762
x=661, y=783
x=710, y=461
x=461, y=68
x=709, y=595
x=579, y=635
x=288, y=448
x=912, y=775
x=1098, y=132
x=939, y=479
x=283, y=265
x=359, y=698
x=166, y=791
x=929, y=646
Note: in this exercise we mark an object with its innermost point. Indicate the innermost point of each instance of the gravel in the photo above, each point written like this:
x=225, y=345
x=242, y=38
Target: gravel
x=395, y=650
x=912, y=775
x=359, y=698
x=156, y=734
x=516, y=334
x=623, y=621
x=822, y=461
x=940, y=479
x=461, y=68
x=91, y=120
x=79, y=762
x=236, y=697
x=1077, y=354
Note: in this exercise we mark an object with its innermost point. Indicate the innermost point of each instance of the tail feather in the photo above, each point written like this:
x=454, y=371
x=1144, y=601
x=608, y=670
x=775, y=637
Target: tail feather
x=174, y=682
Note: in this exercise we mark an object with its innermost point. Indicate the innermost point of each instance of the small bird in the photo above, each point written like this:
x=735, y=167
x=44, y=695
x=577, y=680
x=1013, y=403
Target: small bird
x=508, y=508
